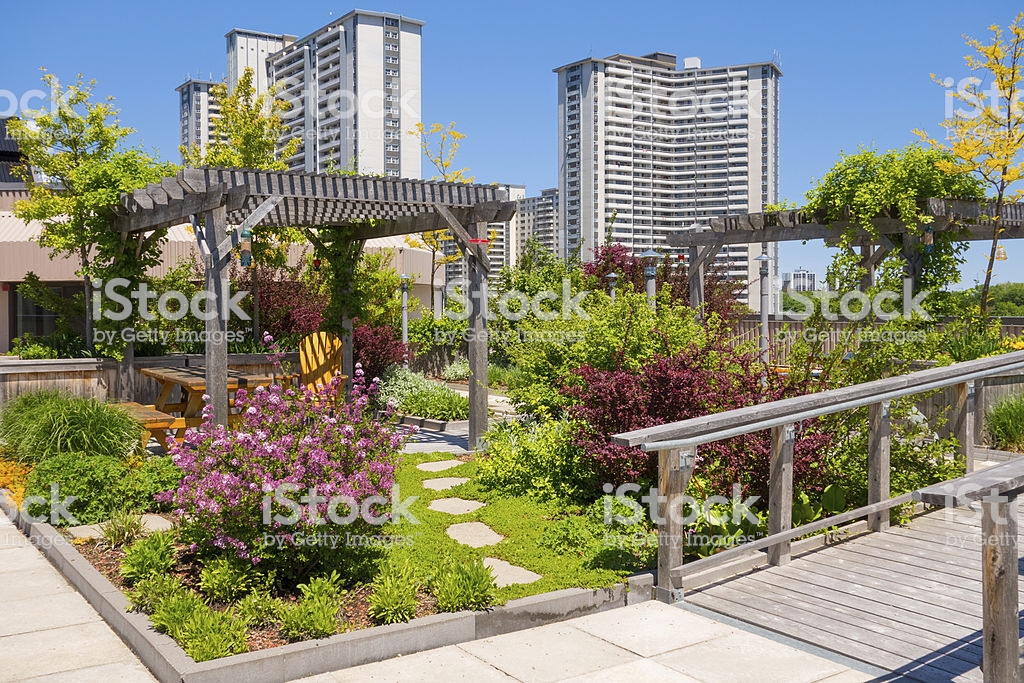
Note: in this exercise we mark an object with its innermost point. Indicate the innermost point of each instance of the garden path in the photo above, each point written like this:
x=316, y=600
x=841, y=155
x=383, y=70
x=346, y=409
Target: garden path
x=473, y=534
x=49, y=632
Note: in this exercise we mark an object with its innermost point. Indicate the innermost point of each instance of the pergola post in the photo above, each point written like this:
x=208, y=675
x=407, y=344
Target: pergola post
x=695, y=274
x=218, y=293
x=477, y=340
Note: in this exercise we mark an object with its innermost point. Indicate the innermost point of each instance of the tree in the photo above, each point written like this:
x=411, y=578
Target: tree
x=246, y=135
x=988, y=138
x=868, y=185
x=75, y=166
x=441, y=154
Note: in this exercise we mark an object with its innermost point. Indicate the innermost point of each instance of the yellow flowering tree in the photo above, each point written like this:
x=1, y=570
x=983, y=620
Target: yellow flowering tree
x=439, y=145
x=985, y=136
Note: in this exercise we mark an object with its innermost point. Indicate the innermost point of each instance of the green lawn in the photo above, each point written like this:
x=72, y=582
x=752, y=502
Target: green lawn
x=523, y=522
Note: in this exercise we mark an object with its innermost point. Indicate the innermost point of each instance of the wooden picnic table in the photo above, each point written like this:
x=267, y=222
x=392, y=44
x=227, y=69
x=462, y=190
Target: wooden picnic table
x=193, y=385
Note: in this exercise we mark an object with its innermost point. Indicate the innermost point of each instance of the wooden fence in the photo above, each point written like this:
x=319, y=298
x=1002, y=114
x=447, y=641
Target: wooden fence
x=98, y=377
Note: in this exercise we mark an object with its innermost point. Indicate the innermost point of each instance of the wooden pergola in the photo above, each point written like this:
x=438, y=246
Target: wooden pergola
x=968, y=218
x=220, y=203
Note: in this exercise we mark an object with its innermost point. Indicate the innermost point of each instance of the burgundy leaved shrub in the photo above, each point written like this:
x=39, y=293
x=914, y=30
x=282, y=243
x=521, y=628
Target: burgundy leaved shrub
x=692, y=383
x=378, y=347
x=721, y=295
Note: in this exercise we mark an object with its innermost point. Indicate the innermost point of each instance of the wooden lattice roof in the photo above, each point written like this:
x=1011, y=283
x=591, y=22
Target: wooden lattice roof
x=783, y=226
x=400, y=206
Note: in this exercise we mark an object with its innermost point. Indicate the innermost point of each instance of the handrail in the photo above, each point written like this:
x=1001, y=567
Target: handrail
x=709, y=428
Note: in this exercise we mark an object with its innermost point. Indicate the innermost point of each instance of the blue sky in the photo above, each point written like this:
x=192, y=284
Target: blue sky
x=854, y=73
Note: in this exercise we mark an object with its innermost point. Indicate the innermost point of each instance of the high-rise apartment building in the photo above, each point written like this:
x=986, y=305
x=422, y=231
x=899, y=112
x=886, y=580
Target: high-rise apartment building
x=537, y=217
x=800, y=280
x=503, y=248
x=646, y=148
x=197, y=112
x=353, y=87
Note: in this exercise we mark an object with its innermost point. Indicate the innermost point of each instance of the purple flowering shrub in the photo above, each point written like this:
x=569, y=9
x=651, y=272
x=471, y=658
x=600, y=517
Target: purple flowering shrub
x=304, y=439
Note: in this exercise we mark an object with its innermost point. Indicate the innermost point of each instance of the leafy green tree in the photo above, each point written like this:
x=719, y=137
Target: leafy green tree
x=83, y=164
x=868, y=185
x=246, y=134
x=987, y=139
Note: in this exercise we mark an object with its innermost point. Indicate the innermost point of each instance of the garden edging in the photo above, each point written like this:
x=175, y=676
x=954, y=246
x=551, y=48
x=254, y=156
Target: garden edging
x=169, y=663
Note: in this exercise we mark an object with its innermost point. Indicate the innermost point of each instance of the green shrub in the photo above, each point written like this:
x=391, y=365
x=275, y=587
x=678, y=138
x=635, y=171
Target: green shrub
x=457, y=371
x=465, y=586
x=327, y=586
x=536, y=459
x=258, y=609
x=437, y=402
x=1005, y=424
x=394, y=594
x=21, y=413
x=149, y=592
x=172, y=612
x=208, y=634
x=123, y=528
x=571, y=535
x=156, y=475
x=29, y=347
x=311, y=617
x=397, y=383
x=150, y=555
x=501, y=376
x=58, y=424
x=98, y=482
x=224, y=579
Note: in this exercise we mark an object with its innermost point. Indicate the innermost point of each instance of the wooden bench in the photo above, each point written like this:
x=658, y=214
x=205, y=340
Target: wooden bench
x=152, y=420
x=996, y=489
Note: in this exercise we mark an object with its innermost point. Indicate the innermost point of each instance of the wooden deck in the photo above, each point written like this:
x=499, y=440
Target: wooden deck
x=907, y=599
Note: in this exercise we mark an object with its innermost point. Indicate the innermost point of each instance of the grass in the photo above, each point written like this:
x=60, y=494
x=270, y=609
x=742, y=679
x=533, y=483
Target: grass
x=521, y=520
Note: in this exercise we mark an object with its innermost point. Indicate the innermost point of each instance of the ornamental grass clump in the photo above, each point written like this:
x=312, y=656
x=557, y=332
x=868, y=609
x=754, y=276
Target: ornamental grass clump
x=243, y=486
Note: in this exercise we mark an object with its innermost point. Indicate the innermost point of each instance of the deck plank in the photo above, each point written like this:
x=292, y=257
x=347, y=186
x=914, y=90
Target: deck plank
x=906, y=600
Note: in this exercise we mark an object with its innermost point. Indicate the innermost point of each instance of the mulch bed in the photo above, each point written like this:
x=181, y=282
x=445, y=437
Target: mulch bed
x=353, y=612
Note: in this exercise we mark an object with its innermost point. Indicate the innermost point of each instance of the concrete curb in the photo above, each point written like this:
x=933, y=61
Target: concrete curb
x=169, y=663
x=433, y=425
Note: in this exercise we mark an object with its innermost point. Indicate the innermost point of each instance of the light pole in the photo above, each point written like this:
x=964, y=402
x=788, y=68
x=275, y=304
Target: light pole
x=612, y=278
x=405, y=315
x=650, y=271
x=763, y=260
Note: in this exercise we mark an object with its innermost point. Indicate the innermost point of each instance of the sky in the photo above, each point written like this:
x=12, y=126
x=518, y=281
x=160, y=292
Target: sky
x=854, y=74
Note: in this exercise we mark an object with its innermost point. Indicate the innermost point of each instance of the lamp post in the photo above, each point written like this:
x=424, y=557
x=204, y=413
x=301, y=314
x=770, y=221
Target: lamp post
x=650, y=271
x=763, y=261
x=612, y=278
x=405, y=314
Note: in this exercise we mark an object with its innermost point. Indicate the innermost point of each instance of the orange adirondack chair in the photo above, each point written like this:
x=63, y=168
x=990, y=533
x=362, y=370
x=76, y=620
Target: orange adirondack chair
x=320, y=356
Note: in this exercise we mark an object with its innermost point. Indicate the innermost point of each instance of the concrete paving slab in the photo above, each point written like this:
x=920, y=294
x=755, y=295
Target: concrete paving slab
x=439, y=465
x=156, y=522
x=442, y=483
x=455, y=506
x=548, y=653
x=644, y=670
x=59, y=650
x=10, y=537
x=506, y=574
x=40, y=612
x=105, y=673
x=474, y=534
x=30, y=583
x=654, y=628
x=443, y=665
x=741, y=656
x=22, y=558
x=86, y=531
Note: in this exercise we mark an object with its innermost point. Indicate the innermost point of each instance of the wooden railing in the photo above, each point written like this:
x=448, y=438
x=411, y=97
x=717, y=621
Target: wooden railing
x=676, y=445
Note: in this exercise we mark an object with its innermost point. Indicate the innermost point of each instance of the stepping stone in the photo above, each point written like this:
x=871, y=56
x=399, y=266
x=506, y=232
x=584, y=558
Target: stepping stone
x=474, y=534
x=506, y=574
x=156, y=522
x=455, y=506
x=86, y=531
x=442, y=483
x=438, y=465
